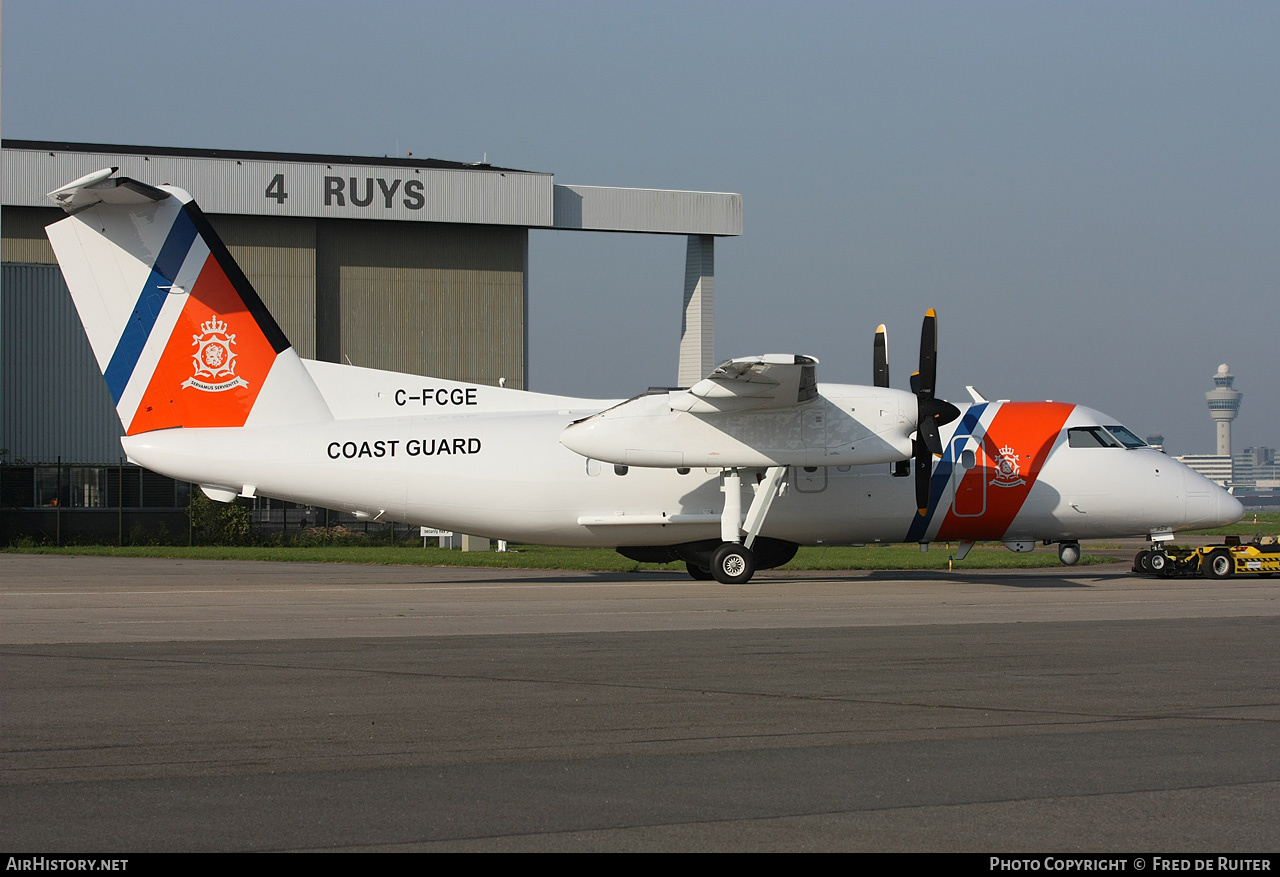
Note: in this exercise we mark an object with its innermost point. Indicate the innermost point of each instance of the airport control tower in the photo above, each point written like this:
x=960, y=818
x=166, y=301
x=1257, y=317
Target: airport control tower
x=1224, y=405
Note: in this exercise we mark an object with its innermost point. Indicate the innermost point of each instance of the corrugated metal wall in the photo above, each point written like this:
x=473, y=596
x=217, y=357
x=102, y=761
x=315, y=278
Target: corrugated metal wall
x=53, y=401
x=440, y=300
x=279, y=258
x=24, y=238
x=435, y=299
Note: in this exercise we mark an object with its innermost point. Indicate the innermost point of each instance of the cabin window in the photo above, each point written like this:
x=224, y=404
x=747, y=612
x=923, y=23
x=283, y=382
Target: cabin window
x=968, y=459
x=619, y=469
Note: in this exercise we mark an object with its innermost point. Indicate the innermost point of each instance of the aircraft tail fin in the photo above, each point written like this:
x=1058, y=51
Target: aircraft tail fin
x=179, y=332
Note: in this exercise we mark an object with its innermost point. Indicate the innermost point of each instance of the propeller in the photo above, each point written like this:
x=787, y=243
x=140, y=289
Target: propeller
x=931, y=411
x=881, y=365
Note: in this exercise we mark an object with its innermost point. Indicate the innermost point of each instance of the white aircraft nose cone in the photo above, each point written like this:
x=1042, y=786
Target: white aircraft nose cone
x=1229, y=509
x=1207, y=504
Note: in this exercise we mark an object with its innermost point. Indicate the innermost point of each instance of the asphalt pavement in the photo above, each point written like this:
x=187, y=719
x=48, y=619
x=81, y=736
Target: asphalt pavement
x=153, y=705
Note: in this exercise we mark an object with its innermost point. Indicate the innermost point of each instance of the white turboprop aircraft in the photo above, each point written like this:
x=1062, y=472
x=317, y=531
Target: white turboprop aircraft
x=210, y=391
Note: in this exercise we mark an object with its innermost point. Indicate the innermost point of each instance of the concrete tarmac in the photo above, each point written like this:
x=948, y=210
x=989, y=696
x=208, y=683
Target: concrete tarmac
x=204, y=705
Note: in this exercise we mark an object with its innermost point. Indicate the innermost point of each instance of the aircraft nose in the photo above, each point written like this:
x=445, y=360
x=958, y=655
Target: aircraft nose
x=1207, y=504
x=1229, y=509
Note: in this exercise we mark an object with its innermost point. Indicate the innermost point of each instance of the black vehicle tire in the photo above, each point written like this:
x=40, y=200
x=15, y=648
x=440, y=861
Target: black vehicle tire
x=1142, y=562
x=1218, y=565
x=733, y=564
x=1159, y=563
x=698, y=573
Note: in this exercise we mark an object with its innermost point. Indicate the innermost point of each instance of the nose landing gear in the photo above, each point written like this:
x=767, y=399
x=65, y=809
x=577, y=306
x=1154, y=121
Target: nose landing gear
x=1069, y=553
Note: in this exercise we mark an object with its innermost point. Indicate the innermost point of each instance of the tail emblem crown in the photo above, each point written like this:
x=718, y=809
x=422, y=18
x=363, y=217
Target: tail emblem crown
x=214, y=359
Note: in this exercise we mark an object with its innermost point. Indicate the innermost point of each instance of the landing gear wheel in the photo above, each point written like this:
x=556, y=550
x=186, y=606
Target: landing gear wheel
x=698, y=573
x=1142, y=562
x=1218, y=565
x=1158, y=563
x=1069, y=553
x=733, y=564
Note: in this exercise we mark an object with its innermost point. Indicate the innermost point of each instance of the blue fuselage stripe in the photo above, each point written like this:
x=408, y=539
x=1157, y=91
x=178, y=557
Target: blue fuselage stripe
x=147, y=309
x=942, y=472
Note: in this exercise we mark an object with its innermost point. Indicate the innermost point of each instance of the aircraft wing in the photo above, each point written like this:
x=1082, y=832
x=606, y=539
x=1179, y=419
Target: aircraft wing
x=754, y=411
x=752, y=383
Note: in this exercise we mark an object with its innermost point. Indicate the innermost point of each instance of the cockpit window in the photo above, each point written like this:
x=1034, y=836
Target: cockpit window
x=1127, y=438
x=1090, y=437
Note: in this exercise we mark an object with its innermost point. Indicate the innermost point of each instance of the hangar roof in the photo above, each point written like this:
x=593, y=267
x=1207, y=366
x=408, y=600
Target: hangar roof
x=241, y=154
x=365, y=187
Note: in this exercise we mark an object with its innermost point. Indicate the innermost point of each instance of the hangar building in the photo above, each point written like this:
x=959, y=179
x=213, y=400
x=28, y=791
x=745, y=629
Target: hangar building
x=411, y=265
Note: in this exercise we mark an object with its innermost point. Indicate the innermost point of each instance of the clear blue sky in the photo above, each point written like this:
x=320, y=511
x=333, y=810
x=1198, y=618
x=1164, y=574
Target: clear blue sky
x=1088, y=192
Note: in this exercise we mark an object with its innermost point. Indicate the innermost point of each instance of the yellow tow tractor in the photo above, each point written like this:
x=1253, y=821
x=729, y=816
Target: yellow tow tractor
x=1261, y=557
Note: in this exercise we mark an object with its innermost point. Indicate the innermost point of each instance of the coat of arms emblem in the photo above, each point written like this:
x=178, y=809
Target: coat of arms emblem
x=1007, y=469
x=214, y=361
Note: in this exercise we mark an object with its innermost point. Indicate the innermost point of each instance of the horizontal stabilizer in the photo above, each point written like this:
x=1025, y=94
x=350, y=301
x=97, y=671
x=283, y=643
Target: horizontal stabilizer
x=101, y=186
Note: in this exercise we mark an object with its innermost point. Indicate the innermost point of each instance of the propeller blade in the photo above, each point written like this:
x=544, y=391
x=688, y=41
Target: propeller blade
x=881, y=364
x=924, y=474
x=930, y=412
x=928, y=429
x=928, y=355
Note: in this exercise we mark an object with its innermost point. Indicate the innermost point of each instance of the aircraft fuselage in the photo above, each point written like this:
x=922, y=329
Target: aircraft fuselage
x=1008, y=473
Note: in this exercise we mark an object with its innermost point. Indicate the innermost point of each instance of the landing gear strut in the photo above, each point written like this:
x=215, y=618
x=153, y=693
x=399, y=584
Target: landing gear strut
x=733, y=563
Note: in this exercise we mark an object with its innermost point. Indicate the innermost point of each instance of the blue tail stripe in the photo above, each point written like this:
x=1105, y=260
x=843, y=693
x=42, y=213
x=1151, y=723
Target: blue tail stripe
x=942, y=472
x=147, y=309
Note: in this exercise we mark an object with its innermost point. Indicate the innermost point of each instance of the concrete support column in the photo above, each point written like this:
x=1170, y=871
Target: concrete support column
x=697, y=326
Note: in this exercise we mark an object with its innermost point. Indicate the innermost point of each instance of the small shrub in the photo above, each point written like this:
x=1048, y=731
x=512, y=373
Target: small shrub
x=218, y=523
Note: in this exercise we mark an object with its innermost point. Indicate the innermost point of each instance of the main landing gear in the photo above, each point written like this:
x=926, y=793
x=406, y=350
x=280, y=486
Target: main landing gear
x=733, y=562
x=733, y=558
